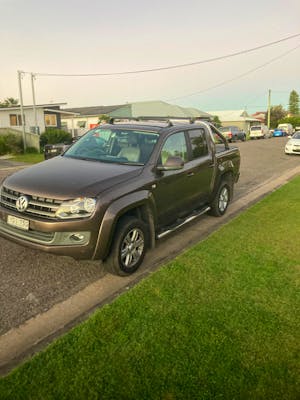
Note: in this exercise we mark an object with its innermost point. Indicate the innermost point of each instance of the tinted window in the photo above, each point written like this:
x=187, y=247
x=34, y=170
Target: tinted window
x=198, y=143
x=175, y=146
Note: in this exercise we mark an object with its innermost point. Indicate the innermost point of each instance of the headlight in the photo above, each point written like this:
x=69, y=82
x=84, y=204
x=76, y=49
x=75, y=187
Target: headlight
x=79, y=208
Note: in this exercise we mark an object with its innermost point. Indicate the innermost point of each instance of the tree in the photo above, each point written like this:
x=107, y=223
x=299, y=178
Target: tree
x=294, y=103
x=295, y=121
x=9, y=102
x=277, y=113
x=103, y=119
x=216, y=121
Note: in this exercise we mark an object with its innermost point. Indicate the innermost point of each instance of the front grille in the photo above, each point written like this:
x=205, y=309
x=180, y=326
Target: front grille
x=38, y=206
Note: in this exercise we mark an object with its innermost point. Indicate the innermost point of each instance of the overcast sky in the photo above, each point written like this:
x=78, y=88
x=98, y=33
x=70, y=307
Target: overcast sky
x=82, y=37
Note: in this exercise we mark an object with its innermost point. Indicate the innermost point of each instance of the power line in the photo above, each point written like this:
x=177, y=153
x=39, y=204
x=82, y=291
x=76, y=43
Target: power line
x=237, y=77
x=172, y=66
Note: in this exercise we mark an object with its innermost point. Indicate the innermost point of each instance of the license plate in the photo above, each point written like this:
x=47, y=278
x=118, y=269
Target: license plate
x=19, y=223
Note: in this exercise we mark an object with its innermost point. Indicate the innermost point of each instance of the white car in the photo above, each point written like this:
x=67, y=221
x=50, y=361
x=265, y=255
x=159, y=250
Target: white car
x=293, y=144
x=259, y=132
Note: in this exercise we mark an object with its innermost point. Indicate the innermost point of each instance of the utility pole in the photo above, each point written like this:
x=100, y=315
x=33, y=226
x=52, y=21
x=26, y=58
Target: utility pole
x=269, y=108
x=34, y=103
x=36, y=128
x=20, y=76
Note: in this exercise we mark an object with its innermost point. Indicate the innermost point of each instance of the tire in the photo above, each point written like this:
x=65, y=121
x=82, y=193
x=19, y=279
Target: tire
x=128, y=248
x=222, y=198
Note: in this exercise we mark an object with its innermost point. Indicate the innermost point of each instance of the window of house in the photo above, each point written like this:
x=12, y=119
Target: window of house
x=198, y=143
x=15, y=119
x=81, y=124
x=50, y=120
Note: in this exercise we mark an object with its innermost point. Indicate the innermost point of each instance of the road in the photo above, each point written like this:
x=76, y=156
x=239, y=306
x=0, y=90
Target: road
x=32, y=282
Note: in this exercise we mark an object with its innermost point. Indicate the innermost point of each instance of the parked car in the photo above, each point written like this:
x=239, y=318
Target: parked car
x=287, y=128
x=118, y=189
x=53, y=150
x=293, y=144
x=259, y=132
x=233, y=133
x=278, y=132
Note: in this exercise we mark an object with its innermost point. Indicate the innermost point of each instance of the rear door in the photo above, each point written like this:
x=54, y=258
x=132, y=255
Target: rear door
x=201, y=165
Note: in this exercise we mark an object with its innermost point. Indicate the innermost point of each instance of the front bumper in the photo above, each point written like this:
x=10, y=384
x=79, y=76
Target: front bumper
x=292, y=150
x=76, y=239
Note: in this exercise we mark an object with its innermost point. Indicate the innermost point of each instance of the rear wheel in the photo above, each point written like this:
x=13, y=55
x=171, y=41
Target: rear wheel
x=222, y=198
x=129, y=247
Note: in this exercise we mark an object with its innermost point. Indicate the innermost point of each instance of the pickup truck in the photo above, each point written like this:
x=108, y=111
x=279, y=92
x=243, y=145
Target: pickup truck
x=118, y=189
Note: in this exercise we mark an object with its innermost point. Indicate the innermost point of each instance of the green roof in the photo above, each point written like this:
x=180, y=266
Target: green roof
x=157, y=109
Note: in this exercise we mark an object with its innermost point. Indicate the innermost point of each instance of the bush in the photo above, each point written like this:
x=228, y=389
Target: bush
x=11, y=144
x=14, y=143
x=3, y=146
x=54, y=135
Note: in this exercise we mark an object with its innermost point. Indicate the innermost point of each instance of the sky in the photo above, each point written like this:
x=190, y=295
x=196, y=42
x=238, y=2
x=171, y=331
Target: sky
x=89, y=37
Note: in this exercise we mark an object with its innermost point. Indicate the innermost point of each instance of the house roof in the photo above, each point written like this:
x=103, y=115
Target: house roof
x=92, y=110
x=15, y=108
x=156, y=109
x=233, y=115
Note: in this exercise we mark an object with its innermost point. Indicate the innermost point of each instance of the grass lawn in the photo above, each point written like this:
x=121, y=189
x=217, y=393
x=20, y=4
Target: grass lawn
x=221, y=321
x=31, y=158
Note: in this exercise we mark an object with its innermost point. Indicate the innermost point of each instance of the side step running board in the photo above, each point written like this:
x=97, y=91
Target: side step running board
x=187, y=220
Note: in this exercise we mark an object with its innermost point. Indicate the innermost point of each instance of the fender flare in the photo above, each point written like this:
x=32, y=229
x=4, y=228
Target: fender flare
x=142, y=200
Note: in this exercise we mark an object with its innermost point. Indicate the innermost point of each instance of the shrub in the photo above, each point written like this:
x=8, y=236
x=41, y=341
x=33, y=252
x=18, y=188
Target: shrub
x=3, y=146
x=55, y=135
x=10, y=144
x=14, y=143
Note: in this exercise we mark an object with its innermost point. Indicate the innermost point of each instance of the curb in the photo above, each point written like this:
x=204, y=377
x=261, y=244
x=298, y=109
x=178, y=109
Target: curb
x=22, y=342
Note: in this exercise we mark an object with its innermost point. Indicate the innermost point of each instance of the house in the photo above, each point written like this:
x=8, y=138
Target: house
x=36, y=120
x=41, y=116
x=238, y=118
x=85, y=118
x=79, y=119
x=261, y=116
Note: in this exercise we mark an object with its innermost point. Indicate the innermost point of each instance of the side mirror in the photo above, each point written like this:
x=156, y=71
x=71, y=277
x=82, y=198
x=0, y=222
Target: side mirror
x=173, y=163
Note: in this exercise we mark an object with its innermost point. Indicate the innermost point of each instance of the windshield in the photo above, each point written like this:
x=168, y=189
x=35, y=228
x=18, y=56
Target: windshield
x=123, y=146
x=296, y=135
x=255, y=128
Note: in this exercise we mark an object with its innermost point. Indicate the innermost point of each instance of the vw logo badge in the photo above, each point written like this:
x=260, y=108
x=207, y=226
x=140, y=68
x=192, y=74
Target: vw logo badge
x=22, y=203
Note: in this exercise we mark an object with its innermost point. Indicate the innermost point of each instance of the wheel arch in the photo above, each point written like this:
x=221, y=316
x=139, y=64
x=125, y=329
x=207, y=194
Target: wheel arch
x=223, y=175
x=137, y=205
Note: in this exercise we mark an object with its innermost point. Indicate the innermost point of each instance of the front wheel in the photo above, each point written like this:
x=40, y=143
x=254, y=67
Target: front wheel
x=221, y=200
x=128, y=248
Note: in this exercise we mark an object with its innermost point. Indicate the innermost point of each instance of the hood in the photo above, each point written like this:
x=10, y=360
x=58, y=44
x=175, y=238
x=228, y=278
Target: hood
x=294, y=141
x=66, y=178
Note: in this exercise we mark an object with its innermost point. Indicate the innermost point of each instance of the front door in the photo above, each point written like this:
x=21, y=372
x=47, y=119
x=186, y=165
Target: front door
x=171, y=192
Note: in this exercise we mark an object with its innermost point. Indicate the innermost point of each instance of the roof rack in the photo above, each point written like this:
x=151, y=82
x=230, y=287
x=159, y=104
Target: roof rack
x=168, y=120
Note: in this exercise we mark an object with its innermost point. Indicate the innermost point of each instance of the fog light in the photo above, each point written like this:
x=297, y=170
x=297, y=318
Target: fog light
x=78, y=237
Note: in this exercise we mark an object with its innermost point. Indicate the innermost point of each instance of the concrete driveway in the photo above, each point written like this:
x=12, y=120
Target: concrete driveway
x=49, y=292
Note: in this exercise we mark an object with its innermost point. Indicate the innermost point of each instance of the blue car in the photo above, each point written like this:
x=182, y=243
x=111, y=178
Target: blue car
x=279, y=132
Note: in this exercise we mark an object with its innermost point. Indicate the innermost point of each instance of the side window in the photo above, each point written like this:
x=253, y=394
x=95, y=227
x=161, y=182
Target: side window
x=175, y=145
x=198, y=143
